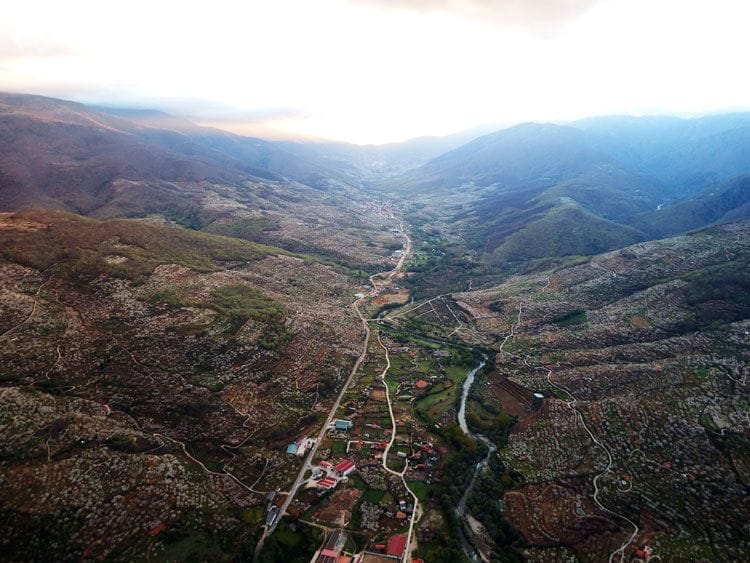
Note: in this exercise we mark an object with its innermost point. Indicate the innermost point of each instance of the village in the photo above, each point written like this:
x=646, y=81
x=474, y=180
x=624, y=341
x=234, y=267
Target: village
x=375, y=471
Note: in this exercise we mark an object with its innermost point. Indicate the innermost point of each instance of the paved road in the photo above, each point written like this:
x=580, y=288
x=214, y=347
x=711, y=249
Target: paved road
x=332, y=413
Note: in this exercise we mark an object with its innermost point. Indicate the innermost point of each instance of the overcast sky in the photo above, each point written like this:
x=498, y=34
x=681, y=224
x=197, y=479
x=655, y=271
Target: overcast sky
x=371, y=71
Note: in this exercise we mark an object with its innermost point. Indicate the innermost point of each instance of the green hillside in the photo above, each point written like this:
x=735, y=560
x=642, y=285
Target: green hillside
x=122, y=248
x=566, y=230
x=728, y=201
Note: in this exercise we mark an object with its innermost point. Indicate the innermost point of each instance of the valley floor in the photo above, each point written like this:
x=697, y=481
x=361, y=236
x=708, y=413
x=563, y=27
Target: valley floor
x=249, y=403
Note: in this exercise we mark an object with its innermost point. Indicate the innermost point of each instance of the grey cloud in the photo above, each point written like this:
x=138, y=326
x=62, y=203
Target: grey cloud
x=539, y=16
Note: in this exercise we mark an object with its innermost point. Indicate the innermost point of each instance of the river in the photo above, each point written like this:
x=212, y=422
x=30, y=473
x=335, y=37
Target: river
x=468, y=546
x=468, y=382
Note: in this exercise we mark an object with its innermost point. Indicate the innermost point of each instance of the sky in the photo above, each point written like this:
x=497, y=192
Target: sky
x=375, y=71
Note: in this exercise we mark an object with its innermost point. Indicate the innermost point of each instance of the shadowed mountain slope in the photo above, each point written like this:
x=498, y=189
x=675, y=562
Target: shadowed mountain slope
x=55, y=153
x=515, y=188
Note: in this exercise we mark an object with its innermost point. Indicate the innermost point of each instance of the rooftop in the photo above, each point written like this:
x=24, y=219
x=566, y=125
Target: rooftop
x=344, y=465
x=396, y=546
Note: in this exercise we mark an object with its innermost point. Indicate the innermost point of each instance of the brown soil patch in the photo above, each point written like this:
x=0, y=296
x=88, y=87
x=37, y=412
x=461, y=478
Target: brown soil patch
x=377, y=395
x=10, y=222
x=399, y=298
x=514, y=399
x=639, y=321
x=338, y=510
x=545, y=513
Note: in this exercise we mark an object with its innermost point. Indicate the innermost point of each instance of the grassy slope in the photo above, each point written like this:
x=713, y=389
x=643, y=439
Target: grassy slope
x=85, y=244
x=565, y=230
x=725, y=202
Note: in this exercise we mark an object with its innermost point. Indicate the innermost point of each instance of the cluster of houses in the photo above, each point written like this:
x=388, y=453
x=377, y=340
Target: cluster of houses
x=333, y=550
x=303, y=443
x=327, y=475
x=424, y=459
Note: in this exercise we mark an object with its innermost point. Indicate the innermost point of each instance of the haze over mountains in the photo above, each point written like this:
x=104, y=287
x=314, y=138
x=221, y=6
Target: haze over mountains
x=603, y=181
x=375, y=281
x=617, y=179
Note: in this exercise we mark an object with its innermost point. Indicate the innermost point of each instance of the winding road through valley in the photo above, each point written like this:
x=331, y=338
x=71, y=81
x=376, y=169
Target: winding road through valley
x=306, y=466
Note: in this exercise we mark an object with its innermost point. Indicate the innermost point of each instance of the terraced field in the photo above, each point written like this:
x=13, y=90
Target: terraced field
x=642, y=438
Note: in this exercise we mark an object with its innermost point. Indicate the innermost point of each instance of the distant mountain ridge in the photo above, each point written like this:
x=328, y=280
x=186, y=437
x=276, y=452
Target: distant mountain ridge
x=601, y=182
x=617, y=169
x=80, y=150
x=690, y=153
x=721, y=203
x=66, y=155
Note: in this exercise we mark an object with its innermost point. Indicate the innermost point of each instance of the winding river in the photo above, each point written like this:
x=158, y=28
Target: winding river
x=468, y=546
x=468, y=382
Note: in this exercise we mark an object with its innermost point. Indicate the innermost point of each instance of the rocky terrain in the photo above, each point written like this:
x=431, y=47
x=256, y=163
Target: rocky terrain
x=197, y=329
x=150, y=376
x=642, y=436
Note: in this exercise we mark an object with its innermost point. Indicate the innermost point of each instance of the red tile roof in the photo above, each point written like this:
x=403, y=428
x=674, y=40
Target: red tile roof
x=343, y=466
x=396, y=546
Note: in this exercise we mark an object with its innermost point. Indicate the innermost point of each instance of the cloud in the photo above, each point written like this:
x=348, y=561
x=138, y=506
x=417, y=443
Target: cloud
x=15, y=48
x=382, y=70
x=537, y=16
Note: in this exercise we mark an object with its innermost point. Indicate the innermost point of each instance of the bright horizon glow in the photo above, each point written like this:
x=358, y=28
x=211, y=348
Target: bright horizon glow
x=366, y=72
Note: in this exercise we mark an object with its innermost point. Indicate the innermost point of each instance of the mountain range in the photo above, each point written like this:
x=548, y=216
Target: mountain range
x=183, y=310
x=606, y=182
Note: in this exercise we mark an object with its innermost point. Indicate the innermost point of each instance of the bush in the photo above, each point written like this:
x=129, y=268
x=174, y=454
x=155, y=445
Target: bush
x=241, y=303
